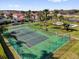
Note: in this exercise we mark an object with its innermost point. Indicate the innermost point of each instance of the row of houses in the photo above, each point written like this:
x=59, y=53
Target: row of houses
x=28, y=15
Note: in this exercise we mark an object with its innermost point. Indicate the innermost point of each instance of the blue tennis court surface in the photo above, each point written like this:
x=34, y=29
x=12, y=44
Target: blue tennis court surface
x=30, y=37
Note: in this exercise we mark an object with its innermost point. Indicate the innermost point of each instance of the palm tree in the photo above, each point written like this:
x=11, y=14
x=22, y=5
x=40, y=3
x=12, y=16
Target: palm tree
x=11, y=16
x=55, y=14
x=40, y=18
x=46, y=11
x=2, y=28
x=34, y=15
x=29, y=14
x=66, y=26
x=61, y=17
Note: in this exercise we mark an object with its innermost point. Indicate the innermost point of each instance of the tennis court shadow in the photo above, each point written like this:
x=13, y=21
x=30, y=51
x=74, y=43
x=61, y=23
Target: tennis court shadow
x=19, y=43
x=1, y=57
x=71, y=30
x=57, y=27
x=46, y=55
x=28, y=55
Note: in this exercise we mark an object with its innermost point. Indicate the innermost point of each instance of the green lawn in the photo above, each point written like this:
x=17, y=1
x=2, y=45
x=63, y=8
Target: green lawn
x=72, y=53
x=54, y=29
x=2, y=54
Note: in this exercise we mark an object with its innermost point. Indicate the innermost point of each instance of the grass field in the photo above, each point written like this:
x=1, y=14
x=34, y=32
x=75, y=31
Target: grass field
x=56, y=29
x=2, y=54
x=72, y=53
x=69, y=51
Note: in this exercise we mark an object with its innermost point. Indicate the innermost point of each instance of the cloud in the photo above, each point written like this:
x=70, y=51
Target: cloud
x=55, y=1
x=15, y=5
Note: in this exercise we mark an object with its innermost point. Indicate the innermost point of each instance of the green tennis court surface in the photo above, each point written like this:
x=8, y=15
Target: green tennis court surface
x=35, y=42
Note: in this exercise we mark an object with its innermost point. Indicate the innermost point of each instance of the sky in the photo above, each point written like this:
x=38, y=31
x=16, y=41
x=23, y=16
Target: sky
x=38, y=4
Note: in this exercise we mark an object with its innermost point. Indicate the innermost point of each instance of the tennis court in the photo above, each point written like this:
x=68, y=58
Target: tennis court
x=30, y=37
x=36, y=42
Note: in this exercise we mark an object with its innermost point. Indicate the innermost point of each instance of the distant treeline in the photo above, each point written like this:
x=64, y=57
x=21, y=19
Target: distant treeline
x=73, y=11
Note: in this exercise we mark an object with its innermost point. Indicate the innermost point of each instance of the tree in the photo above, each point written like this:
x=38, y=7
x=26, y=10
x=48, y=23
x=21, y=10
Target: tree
x=66, y=26
x=46, y=11
x=55, y=14
x=2, y=16
x=40, y=13
x=34, y=15
x=29, y=14
x=46, y=55
x=2, y=29
x=61, y=17
x=11, y=15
